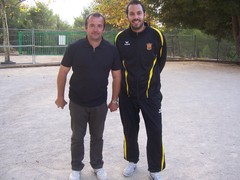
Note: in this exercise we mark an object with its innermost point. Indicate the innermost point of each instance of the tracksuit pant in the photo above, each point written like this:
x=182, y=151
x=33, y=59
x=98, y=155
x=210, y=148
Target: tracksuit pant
x=150, y=108
x=80, y=117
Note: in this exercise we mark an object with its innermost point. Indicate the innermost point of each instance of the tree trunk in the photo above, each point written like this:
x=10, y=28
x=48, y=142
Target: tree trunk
x=6, y=44
x=236, y=32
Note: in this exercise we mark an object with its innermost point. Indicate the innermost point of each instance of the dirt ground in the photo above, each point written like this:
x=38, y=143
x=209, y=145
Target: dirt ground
x=201, y=113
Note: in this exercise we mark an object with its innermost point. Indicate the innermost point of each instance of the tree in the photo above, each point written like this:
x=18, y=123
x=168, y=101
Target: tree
x=6, y=44
x=113, y=11
x=17, y=15
x=219, y=18
x=61, y=25
x=79, y=22
x=42, y=17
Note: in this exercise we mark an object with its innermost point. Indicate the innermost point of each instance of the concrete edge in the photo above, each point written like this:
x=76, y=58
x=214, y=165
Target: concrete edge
x=25, y=65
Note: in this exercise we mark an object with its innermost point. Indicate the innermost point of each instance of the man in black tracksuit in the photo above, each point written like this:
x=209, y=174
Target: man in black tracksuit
x=143, y=53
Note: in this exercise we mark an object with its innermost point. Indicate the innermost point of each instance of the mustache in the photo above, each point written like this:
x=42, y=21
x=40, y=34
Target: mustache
x=136, y=20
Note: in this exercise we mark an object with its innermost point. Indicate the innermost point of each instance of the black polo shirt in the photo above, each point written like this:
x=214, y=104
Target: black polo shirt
x=91, y=67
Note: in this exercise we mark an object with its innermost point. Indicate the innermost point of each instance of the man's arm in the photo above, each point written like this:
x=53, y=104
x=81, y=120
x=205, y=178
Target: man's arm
x=116, y=84
x=61, y=83
x=163, y=56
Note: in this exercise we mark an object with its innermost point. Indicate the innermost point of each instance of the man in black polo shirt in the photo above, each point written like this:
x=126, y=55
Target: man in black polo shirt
x=91, y=60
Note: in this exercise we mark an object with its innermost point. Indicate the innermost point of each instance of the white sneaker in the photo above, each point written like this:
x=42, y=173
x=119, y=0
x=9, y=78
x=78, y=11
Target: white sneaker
x=155, y=176
x=75, y=175
x=101, y=174
x=130, y=169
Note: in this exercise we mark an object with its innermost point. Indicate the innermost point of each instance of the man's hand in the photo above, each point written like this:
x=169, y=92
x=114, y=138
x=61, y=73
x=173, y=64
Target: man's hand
x=113, y=106
x=60, y=102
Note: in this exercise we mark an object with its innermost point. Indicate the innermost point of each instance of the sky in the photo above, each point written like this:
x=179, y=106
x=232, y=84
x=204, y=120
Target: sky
x=66, y=9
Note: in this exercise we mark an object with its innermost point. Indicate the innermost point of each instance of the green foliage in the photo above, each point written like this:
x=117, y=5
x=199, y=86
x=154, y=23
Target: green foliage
x=114, y=12
x=79, y=23
x=42, y=17
x=194, y=43
x=205, y=52
x=212, y=17
x=16, y=14
x=22, y=16
x=61, y=25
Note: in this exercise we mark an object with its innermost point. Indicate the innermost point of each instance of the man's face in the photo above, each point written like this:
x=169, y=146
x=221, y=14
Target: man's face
x=136, y=17
x=95, y=28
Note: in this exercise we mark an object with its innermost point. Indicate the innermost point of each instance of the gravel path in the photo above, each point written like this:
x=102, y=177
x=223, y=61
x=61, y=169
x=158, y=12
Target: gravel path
x=201, y=126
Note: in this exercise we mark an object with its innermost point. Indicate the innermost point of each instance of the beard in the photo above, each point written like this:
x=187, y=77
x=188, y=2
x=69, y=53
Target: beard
x=137, y=27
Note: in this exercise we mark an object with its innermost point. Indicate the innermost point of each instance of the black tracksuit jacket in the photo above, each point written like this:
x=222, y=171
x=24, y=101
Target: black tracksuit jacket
x=143, y=56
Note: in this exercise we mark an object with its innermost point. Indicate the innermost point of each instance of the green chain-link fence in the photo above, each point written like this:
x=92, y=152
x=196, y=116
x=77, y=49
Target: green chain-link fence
x=50, y=42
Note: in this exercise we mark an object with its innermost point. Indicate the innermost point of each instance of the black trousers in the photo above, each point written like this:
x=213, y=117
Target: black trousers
x=80, y=117
x=151, y=111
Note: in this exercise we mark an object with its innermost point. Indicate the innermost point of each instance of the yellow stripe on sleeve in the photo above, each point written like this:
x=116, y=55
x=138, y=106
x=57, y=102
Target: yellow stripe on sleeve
x=161, y=37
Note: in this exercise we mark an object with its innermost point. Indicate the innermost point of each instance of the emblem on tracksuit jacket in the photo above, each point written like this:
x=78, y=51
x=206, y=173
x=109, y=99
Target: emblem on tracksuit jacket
x=126, y=43
x=149, y=46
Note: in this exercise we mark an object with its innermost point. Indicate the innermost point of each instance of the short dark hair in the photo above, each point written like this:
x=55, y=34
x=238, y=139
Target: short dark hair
x=135, y=2
x=95, y=15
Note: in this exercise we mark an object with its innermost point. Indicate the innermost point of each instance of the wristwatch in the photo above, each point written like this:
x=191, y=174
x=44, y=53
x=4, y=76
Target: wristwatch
x=114, y=101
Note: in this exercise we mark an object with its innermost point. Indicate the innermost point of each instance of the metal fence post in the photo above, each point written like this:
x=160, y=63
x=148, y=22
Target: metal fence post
x=33, y=47
x=173, y=46
x=194, y=46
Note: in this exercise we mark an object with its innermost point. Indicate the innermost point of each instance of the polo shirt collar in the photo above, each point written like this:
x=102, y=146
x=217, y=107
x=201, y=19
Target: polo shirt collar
x=101, y=45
